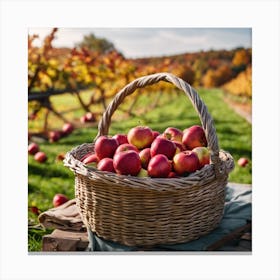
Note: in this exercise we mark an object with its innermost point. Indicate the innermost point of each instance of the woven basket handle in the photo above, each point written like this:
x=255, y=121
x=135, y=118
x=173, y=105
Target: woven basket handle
x=205, y=118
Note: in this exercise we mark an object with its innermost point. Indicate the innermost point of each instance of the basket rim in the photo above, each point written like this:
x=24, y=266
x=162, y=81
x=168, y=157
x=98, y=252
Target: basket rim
x=199, y=177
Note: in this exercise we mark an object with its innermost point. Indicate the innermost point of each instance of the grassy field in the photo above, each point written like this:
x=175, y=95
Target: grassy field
x=51, y=177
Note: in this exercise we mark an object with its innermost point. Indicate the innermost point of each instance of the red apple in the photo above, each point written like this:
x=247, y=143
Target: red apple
x=90, y=117
x=126, y=147
x=83, y=119
x=54, y=136
x=33, y=148
x=90, y=158
x=173, y=133
x=127, y=163
x=193, y=137
x=185, y=162
x=203, y=155
x=172, y=174
x=145, y=156
x=60, y=157
x=163, y=146
x=105, y=146
x=242, y=162
x=40, y=157
x=140, y=136
x=156, y=134
x=67, y=128
x=106, y=164
x=179, y=147
x=159, y=166
x=59, y=199
x=121, y=138
x=35, y=210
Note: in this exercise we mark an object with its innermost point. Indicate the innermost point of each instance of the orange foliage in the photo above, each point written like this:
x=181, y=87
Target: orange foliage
x=242, y=84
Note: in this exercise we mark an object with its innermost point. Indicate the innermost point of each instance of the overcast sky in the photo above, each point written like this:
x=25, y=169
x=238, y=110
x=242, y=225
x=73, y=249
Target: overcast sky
x=145, y=42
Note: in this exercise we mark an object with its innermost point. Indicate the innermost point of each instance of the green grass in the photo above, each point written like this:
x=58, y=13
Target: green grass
x=44, y=180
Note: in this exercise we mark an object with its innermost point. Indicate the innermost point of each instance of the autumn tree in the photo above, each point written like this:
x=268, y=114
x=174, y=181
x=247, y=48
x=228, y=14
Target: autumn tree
x=93, y=43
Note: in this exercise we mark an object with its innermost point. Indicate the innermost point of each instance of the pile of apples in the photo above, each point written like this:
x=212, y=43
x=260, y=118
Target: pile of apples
x=144, y=152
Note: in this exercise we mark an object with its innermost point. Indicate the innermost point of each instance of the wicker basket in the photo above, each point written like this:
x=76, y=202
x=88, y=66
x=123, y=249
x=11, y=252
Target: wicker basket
x=137, y=211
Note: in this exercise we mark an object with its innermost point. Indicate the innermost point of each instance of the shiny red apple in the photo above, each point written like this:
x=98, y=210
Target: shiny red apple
x=59, y=199
x=127, y=163
x=33, y=148
x=67, y=128
x=90, y=117
x=163, y=146
x=106, y=164
x=159, y=166
x=203, y=155
x=140, y=136
x=193, y=137
x=54, y=135
x=105, y=146
x=121, y=138
x=126, y=147
x=242, y=161
x=90, y=158
x=145, y=157
x=40, y=157
x=173, y=133
x=185, y=162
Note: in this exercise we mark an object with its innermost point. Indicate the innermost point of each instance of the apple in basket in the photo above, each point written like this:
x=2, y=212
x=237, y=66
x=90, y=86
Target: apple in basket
x=193, y=137
x=159, y=166
x=156, y=134
x=59, y=199
x=126, y=147
x=163, y=146
x=127, y=163
x=203, y=155
x=105, y=146
x=33, y=148
x=121, y=138
x=185, y=162
x=140, y=136
x=106, y=164
x=173, y=133
x=145, y=156
x=90, y=159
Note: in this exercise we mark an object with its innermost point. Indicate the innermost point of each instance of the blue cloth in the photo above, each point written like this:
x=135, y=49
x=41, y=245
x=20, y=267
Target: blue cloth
x=237, y=212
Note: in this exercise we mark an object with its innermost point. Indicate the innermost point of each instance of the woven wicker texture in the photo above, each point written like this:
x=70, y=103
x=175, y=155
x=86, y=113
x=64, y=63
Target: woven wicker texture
x=138, y=211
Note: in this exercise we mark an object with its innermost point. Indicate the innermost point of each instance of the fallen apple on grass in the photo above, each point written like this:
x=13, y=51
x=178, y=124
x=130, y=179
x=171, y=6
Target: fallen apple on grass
x=33, y=148
x=242, y=161
x=67, y=128
x=40, y=157
x=59, y=199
